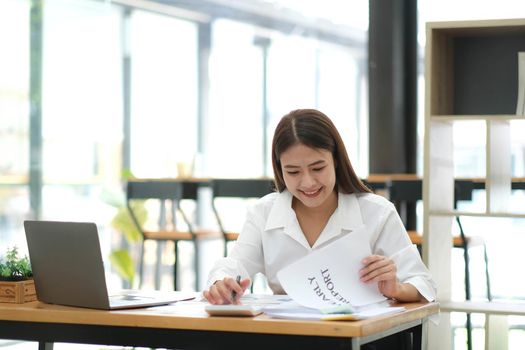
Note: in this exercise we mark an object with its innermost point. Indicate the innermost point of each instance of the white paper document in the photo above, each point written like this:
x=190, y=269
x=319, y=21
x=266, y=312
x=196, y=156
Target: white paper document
x=298, y=312
x=329, y=276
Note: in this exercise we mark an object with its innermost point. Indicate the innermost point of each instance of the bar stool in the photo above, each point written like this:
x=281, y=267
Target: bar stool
x=169, y=194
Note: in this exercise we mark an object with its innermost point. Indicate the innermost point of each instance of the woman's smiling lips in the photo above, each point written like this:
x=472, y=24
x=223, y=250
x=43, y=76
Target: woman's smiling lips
x=312, y=193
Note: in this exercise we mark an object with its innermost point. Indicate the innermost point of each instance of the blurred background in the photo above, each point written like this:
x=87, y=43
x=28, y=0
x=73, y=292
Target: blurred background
x=92, y=91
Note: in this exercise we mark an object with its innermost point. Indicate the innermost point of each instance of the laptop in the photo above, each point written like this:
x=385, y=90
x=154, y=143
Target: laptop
x=68, y=269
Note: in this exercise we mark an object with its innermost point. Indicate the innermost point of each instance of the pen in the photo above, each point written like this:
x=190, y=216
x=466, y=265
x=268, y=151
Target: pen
x=234, y=293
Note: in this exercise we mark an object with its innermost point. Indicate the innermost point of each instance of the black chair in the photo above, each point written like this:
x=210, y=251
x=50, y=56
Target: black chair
x=236, y=188
x=374, y=186
x=169, y=194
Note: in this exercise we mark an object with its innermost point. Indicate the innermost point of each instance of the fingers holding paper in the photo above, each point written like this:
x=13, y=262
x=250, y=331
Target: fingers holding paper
x=226, y=291
x=381, y=269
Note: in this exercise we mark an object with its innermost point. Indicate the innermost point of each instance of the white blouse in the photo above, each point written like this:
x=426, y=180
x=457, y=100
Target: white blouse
x=272, y=239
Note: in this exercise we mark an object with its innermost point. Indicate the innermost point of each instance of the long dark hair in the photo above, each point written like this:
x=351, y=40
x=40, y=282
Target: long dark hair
x=314, y=129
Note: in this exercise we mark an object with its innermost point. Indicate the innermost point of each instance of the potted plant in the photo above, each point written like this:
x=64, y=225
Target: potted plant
x=16, y=278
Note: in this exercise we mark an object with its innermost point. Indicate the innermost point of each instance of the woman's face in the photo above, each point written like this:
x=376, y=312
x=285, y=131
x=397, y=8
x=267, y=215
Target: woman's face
x=309, y=174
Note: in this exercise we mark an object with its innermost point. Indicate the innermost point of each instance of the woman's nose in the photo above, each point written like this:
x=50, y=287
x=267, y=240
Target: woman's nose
x=307, y=180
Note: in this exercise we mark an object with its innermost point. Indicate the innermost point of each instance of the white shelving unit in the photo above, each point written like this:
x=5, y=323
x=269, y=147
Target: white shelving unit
x=469, y=77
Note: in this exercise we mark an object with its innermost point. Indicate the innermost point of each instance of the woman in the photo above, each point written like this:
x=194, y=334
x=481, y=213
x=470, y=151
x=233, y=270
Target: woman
x=318, y=197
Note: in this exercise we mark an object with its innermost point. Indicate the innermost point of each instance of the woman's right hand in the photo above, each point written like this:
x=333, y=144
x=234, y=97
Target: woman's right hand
x=226, y=291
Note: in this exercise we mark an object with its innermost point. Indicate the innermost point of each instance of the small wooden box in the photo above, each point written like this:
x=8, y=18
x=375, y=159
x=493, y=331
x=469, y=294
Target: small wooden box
x=17, y=292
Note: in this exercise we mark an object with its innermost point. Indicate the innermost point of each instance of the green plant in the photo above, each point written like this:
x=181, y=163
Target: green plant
x=14, y=268
x=122, y=222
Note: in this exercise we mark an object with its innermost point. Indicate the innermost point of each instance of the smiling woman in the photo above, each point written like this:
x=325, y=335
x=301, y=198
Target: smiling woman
x=309, y=175
x=319, y=200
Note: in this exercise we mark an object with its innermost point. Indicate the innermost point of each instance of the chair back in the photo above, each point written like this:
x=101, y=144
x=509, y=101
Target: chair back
x=405, y=190
x=154, y=190
x=236, y=189
x=242, y=188
x=463, y=190
x=169, y=194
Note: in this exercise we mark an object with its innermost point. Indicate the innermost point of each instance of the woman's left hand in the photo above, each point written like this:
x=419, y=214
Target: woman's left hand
x=378, y=268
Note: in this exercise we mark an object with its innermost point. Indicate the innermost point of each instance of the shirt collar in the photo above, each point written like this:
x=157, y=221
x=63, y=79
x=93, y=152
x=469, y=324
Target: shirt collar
x=346, y=218
x=348, y=212
x=281, y=212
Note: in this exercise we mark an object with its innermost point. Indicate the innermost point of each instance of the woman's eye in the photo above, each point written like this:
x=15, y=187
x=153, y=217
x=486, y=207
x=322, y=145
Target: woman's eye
x=318, y=169
x=292, y=172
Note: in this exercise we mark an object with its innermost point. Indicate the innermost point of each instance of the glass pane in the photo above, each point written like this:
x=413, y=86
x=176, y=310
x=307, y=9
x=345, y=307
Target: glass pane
x=293, y=63
x=236, y=88
x=14, y=209
x=14, y=91
x=82, y=112
x=340, y=97
x=164, y=94
x=14, y=122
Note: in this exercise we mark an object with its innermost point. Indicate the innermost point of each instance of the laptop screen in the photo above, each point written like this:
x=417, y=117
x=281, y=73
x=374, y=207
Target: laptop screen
x=67, y=264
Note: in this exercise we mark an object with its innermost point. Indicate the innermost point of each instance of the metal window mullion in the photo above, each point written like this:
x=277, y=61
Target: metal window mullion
x=126, y=88
x=35, y=108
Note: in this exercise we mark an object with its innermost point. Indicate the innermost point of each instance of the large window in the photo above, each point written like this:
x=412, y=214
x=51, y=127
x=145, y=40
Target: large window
x=162, y=91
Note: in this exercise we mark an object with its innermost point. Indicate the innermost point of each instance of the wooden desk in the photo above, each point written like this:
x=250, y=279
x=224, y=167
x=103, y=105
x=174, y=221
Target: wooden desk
x=184, y=327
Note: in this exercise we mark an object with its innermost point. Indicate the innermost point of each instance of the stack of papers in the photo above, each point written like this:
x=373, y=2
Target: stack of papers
x=297, y=312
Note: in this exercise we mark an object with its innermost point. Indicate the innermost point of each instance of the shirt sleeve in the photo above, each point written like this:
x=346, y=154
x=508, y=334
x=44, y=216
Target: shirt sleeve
x=246, y=258
x=393, y=241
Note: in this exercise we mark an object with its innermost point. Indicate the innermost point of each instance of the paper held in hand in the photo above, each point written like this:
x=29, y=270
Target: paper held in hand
x=329, y=276
x=327, y=282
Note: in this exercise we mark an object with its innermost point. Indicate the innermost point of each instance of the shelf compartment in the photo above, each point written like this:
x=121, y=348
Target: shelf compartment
x=474, y=70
